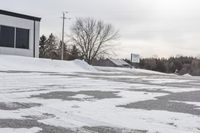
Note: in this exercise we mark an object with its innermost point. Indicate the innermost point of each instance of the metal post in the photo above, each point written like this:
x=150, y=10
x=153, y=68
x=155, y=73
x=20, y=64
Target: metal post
x=63, y=35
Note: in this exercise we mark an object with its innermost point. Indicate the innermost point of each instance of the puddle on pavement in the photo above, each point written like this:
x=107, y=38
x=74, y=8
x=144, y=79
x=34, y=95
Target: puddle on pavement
x=14, y=123
x=172, y=103
x=40, y=117
x=68, y=95
x=103, y=129
x=16, y=105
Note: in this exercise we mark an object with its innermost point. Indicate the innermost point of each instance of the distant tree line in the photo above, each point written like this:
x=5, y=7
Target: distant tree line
x=89, y=39
x=179, y=65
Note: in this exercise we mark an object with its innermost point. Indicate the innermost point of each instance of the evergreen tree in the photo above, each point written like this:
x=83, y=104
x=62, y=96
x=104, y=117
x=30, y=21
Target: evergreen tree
x=51, y=49
x=42, y=44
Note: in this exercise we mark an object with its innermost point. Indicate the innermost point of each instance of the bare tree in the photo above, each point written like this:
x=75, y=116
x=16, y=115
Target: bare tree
x=92, y=37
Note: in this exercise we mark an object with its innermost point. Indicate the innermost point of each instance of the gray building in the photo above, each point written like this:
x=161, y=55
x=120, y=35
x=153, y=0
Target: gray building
x=19, y=34
x=111, y=63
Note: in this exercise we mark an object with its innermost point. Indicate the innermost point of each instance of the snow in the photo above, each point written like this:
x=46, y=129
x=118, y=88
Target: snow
x=166, y=80
x=187, y=75
x=131, y=70
x=20, y=63
x=76, y=76
x=81, y=96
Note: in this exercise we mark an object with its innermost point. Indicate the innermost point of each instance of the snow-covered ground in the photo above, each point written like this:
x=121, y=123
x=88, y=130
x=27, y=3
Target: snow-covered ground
x=48, y=96
x=17, y=63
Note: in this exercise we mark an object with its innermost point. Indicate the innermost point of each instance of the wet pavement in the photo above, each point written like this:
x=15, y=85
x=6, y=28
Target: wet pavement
x=16, y=105
x=172, y=101
x=103, y=129
x=28, y=123
x=67, y=95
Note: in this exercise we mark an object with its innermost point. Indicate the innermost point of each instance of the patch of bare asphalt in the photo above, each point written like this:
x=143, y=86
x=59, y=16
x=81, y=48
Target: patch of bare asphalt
x=14, y=123
x=102, y=129
x=27, y=123
x=68, y=95
x=172, y=103
x=16, y=105
x=40, y=117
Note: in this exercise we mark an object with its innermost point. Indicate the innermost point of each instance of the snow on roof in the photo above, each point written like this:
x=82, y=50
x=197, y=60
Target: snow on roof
x=119, y=62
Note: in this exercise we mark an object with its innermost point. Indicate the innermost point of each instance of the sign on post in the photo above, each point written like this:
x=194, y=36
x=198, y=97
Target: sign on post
x=135, y=58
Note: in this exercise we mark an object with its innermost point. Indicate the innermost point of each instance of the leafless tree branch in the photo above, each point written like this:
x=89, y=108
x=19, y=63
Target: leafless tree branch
x=92, y=37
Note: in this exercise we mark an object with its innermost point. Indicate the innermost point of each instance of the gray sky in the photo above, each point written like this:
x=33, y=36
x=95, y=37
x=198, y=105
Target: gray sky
x=148, y=27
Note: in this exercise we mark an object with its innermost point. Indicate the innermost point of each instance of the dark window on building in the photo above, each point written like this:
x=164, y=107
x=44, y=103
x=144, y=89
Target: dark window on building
x=22, y=38
x=7, y=35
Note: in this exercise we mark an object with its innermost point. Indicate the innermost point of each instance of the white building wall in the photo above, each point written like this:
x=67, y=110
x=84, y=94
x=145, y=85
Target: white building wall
x=37, y=38
x=26, y=24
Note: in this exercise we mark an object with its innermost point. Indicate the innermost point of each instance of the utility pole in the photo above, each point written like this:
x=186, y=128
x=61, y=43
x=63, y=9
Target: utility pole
x=63, y=36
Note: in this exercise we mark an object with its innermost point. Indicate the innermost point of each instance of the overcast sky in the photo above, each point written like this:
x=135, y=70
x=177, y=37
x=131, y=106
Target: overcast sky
x=148, y=27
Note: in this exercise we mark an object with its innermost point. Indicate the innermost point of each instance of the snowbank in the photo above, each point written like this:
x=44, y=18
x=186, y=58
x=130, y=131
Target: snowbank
x=187, y=75
x=19, y=63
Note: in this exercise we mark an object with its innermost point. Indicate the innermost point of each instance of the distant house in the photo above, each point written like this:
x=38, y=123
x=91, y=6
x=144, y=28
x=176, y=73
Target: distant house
x=19, y=34
x=111, y=63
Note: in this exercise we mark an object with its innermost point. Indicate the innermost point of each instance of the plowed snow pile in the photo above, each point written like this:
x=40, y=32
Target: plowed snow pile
x=20, y=63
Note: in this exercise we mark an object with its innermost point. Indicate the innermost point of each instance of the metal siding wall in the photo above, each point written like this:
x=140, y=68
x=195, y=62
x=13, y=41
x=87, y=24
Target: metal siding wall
x=26, y=24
